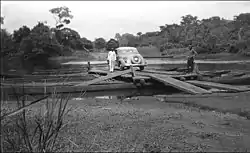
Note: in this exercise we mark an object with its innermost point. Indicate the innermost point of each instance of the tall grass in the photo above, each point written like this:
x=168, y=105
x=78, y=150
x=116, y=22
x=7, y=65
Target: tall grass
x=33, y=129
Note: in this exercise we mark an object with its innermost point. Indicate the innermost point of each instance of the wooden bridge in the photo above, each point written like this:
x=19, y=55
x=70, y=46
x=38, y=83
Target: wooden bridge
x=184, y=82
x=132, y=78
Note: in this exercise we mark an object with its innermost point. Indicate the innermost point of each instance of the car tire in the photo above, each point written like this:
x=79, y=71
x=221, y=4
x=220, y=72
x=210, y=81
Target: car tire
x=120, y=66
x=141, y=68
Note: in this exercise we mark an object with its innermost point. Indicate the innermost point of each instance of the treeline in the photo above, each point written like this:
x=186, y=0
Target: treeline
x=211, y=35
x=34, y=46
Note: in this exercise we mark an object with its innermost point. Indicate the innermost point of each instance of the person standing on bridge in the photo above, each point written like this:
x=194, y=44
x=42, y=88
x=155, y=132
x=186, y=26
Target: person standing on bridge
x=190, y=60
x=111, y=60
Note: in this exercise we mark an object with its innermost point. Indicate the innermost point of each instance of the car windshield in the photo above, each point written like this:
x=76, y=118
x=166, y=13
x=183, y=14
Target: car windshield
x=127, y=51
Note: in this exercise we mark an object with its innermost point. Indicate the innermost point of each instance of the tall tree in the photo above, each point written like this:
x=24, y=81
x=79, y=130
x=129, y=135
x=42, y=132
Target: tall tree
x=242, y=23
x=62, y=16
x=189, y=24
x=117, y=36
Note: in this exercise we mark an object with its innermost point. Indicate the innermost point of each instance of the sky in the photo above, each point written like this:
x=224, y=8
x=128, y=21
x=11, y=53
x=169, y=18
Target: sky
x=95, y=19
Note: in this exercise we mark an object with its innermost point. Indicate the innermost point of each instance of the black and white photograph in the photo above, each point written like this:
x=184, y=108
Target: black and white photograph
x=125, y=76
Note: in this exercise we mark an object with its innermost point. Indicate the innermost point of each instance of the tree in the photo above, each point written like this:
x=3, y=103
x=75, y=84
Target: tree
x=139, y=34
x=2, y=20
x=129, y=40
x=7, y=44
x=21, y=33
x=62, y=16
x=87, y=43
x=100, y=43
x=112, y=44
x=117, y=36
x=68, y=37
x=189, y=23
x=39, y=42
x=242, y=22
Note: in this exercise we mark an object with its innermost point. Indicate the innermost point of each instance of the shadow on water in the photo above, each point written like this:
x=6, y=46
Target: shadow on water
x=120, y=94
x=125, y=93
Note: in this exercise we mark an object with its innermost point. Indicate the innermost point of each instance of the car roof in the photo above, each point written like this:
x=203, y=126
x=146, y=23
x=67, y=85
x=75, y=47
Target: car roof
x=121, y=48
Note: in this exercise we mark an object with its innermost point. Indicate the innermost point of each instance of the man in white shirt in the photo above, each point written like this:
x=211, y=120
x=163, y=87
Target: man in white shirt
x=111, y=60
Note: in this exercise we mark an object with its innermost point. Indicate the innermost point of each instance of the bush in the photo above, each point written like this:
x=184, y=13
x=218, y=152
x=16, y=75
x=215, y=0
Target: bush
x=33, y=130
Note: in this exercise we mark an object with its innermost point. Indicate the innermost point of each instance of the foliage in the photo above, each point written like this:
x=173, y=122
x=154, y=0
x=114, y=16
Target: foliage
x=21, y=33
x=129, y=40
x=40, y=41
x=112, y=44
x=34, y=130
x=7, y=44
x=87, y=43
x=62, y=16
x=2, y=20
x=209, y=35
x=100, y=43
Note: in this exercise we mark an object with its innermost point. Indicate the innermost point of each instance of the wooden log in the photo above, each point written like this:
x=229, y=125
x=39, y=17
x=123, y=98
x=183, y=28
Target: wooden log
x=173, y=76
x=186, y=87
x=218, y=85
x=51, y=84
x=200, y=95
x=243, y=80
x=96, y=71
x=109, y=76
x=52, y=80
x=162, y=72
x=69, y=89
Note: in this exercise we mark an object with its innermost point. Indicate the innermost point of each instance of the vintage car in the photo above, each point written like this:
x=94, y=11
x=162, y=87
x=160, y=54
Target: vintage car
x=129, y=56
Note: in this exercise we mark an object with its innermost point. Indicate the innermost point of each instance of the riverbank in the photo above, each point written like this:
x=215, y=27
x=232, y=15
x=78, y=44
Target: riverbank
x=147, y=123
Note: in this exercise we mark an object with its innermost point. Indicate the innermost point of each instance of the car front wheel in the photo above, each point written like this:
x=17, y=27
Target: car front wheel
x=120, y=66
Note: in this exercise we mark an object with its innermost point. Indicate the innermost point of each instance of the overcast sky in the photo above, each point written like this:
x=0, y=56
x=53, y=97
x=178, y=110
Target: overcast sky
x=94, y=19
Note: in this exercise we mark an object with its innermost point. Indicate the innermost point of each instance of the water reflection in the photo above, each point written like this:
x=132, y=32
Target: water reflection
x=125, y=94
x=119, y=95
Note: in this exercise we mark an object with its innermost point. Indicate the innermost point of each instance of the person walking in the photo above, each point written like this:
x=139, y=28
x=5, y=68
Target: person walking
x=190, y=60
x=111, y=60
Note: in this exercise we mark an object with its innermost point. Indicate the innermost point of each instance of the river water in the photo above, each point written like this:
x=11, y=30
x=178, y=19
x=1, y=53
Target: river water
x=162, y=61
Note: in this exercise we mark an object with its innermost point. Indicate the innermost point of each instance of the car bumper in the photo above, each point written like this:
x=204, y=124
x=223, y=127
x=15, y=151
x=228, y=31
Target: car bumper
x=127, y=64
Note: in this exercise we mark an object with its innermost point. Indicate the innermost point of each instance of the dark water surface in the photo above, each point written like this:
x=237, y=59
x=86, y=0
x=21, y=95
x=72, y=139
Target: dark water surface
x=110, y=94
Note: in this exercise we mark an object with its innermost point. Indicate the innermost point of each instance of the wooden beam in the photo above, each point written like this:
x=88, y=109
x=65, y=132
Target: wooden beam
x=201, y=96
x=109, y=76
x=186, y=87
x=71, y=89
x=95, y=71
x=162, y=72
x=173, y=76
x=218, y=85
